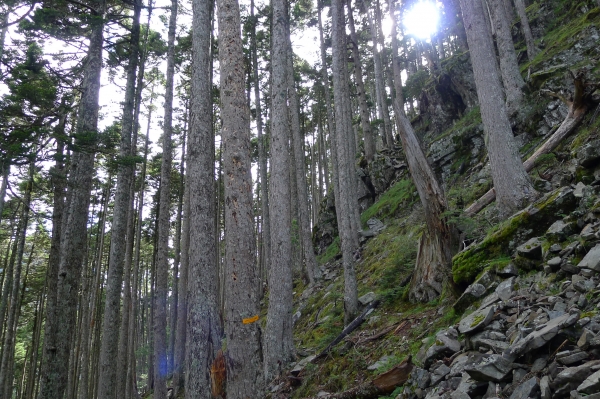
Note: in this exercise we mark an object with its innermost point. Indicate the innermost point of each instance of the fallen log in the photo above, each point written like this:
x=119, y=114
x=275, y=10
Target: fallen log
x=382, y=384
x=349, y=328
x=578, y=107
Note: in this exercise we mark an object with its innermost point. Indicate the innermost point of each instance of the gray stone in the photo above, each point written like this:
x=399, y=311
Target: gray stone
x=457, y=367
x=584, y=285
x=591, y=260
x=589, y=154
x=559, y=230
x=532, y=249
x=540, y=337
x=476, y=320
x=509, y=270
x=555, y=248
x=375, y=225
x=588, y=233
x=569, y=267
x=539, y=364
x=380, y=363
x=505, y=289
x=439, y=373
x=367, y=298
x=591, y=384
x=459, y=395
x=471, y=294
x=490, y=368
x=420, y=377
x=555, y=262
x=301, y=365
x=446, y=343
x=545, y=392
x=528, y=389
x=572, y=358
x=578, y=190
x=585, y=340
x=571, y=377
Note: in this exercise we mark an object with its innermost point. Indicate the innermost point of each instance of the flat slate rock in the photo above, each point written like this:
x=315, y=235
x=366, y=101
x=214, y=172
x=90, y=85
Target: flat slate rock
x=591, y=384
x=539, y=338
x=591, y=260
x=492, y=368
x=526, y=390
x=476, y=320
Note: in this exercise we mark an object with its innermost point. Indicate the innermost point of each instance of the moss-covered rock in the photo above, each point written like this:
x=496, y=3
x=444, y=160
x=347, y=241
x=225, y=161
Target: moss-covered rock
x=532, y=221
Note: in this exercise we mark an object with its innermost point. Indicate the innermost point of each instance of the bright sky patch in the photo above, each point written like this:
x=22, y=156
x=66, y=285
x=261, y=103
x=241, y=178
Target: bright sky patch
x=422, y=19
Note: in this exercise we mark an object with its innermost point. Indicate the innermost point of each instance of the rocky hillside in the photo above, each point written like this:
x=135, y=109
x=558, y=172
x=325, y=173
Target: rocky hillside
x=525, y=321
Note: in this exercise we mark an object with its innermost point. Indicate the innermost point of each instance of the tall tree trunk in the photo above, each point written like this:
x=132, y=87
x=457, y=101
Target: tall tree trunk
x=509, y=67
x=262, y=158
x=3, y=186
x=108, y=379
x=177, y=250
x=532, y=50
x=204, y=331
x=513, y=187
x=346, y=203
x=278, y=350
x=244, y=363
x=297, y=140
x=162, y=254
x=7, y=366
x=365, y=121
x=382, y=109
x=73, y=240
x=90, y=312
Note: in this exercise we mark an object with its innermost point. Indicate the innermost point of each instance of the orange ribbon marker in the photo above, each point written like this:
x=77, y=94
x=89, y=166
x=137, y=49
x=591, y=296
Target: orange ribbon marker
x=250, y=320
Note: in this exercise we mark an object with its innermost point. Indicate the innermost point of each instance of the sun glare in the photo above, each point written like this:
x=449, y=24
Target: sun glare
x=422, y=19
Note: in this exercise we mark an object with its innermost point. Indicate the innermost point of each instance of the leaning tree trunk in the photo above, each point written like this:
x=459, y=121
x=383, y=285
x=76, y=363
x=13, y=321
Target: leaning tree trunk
x=526, y=29
x=434, y=259
x=577, y=110
x=204, y=331
x=74, y=235
x=509, y=67
x=511, y=181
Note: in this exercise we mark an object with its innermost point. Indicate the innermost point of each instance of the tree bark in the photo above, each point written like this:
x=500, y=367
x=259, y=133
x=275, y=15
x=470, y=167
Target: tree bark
x=577, y=110
x=73, y=240
x=432, y=272
x=262, y=159
x=244, y=364
x=365, y=121
x=297, y=140
x=204, y=331
x=511, y=181
x=509, y=67
x=162, y=254
x=526, y=29
x=346, y=203
x=278, y=343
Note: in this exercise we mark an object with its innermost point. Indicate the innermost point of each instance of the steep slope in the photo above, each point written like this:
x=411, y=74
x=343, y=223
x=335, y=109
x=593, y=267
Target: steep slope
x=531, y=289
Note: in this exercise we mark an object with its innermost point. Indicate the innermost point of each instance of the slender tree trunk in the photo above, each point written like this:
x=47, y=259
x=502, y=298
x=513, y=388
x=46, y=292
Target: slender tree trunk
x=346, y=202
x=3, y=186
x=297, y=140
x=509, y=67
x=73, y=240
x=204, y=331
x=262, y=159
x=513, y=187
x=89, y=314
x=7, y=366
x=108, y=378
x=382, y=109
x=177, y=251
x=278, y=350
x=532, y=50
x=365, y=122
x=162, y=255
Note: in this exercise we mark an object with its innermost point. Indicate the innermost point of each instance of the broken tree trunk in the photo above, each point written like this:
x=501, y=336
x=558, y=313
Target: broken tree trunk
x=382, y=384
x=578, y=107
x=349, y=328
